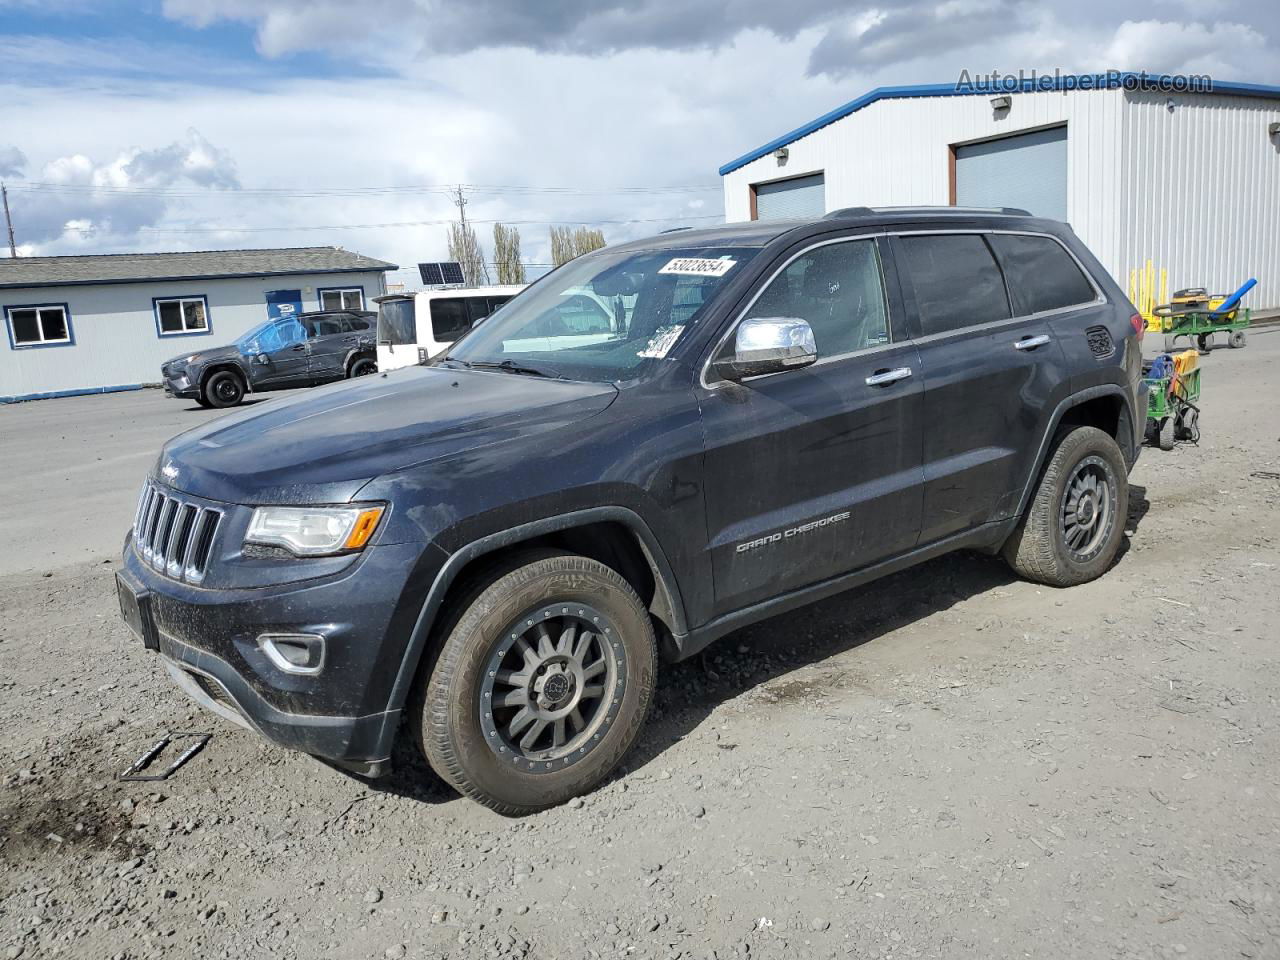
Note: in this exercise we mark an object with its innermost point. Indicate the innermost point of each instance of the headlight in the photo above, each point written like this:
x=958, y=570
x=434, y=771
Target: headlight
x=191, y=359
x=314, y=531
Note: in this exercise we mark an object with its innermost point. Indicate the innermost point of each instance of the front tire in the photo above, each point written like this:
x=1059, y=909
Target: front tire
x=541, y=686
x=362, y=367
x=1073, y=526
x=224, y=389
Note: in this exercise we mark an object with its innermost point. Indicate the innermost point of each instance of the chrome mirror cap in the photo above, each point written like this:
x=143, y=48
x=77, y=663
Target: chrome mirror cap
x=769, y=345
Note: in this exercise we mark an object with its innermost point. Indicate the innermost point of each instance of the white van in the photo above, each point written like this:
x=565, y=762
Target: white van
x=415, y=326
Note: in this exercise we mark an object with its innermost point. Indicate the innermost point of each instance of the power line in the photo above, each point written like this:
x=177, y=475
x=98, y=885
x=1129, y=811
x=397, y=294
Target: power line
x=39, y=186
x=415, y=223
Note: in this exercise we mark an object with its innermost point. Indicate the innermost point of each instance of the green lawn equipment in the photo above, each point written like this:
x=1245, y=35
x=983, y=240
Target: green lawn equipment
x=1198, y=315
x=1173, y=387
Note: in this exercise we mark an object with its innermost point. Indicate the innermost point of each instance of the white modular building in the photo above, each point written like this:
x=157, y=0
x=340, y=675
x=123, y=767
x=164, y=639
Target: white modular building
x=1146, y=170
x=94, y=324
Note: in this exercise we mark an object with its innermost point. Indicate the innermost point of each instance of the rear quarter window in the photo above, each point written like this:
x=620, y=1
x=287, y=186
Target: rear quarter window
x=1041, y=274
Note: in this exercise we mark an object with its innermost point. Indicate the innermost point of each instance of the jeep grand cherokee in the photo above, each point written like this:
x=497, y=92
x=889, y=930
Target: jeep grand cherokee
x=497, y=546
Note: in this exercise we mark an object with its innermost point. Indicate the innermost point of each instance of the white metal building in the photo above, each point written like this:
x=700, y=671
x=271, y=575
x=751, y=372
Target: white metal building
x=1190, y=181
x=94, y=324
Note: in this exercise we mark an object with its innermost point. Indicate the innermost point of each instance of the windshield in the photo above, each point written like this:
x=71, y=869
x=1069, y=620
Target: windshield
x=271, y=336
x=245, y=340
x=603, y=316
x=396, y=324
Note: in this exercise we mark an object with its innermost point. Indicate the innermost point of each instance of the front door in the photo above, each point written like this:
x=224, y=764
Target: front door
x=281, y=360
x=816, y=472
x=988, y=378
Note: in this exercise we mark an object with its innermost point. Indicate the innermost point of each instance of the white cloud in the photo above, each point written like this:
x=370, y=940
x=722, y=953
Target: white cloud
x=12, y=162
x=80, y=201
x=1184, y=48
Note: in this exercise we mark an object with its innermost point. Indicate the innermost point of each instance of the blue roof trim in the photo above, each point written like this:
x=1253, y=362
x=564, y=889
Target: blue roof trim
x=1042, y=84
x=84, y=392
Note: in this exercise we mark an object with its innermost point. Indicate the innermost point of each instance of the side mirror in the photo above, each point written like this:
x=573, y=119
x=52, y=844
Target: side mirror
x=262, y=358
x=768, y=345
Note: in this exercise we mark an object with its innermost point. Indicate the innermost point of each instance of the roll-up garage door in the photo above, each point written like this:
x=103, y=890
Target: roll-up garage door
x=1028, y=171
x=797, y=197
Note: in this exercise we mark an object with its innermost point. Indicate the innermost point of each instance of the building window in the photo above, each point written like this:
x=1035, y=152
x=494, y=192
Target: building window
x=39, y=325
x=181, y=316
x=341, y=298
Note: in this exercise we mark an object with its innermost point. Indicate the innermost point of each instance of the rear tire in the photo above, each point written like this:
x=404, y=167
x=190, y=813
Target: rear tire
x=224, y=389
x=1073, y=526
x=1236, y=340
x=510, y=665
x=1168, y=433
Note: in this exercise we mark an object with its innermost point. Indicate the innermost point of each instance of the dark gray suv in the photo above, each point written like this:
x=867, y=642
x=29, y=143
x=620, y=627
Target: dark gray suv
x=498, y=546
x=299, y=351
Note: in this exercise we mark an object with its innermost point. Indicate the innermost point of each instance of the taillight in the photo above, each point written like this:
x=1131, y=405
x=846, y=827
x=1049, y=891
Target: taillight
x=1139, y=324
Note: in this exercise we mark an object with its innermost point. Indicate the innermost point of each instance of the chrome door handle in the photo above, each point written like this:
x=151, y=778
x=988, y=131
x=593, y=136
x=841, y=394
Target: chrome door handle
x=888, y=376
x=1030, y=343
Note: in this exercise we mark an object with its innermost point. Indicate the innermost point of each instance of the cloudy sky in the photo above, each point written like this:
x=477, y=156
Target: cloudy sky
x=197, y=124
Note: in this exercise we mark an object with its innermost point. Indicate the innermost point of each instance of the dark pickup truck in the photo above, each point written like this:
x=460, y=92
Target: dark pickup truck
x=303, y=350
x=499, y=545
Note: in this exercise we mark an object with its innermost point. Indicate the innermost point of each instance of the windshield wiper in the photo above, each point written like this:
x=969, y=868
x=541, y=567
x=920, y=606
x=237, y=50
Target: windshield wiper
x=510, y=366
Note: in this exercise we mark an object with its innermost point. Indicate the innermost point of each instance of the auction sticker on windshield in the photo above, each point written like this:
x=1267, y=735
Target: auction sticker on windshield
x=660, y=343
x=699, y=267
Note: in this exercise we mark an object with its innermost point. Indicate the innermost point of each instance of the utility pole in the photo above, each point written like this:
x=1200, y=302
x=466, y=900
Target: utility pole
x=460, y=201
x=8, y=221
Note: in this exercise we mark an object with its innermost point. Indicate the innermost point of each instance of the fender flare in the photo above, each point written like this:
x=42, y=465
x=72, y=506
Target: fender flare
x=666, y=589
x=1067, y=402
x=354, y=354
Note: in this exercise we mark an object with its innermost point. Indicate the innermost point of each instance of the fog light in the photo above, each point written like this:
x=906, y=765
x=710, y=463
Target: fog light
x=301, y=654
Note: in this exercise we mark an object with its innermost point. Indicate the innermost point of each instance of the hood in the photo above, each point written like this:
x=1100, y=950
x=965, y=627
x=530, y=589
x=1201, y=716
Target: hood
x=322, y=446
x=207, y=353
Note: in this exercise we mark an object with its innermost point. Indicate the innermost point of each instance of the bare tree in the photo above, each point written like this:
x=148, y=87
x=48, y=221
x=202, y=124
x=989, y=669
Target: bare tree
x=464, y=247
x=506, y=254
x=567, y=243
x=585, y=240
x=561, y=245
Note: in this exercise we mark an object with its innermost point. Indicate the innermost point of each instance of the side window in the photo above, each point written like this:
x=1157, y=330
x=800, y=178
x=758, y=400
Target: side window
x=496, y=302
x=838, y=289
x=353, y=324
x=449, y=319
x=1042, y=275
x=477, y=310
x=582, y=314
x=323, y=326
x=956, y=281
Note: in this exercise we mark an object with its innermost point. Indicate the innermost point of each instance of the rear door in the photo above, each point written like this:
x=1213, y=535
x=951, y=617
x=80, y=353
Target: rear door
x=814, y=472
x=328, y=343
x=988, y=377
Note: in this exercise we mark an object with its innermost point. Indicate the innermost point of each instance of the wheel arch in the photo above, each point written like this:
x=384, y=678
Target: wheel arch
x=219, y=367
x=615, y=536
x=1107, y=407
x=359, y=353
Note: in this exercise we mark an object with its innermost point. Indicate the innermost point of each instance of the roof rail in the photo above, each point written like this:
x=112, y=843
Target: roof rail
x=673, y=230
x=849, y=212
x=924, y=208
x=952, y=208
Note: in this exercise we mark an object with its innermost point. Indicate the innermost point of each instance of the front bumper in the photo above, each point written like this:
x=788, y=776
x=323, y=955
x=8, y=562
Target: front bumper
x=211, y=644
x=180, y=384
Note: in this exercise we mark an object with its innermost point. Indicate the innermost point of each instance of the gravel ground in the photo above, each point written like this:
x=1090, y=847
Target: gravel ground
x=946, y=763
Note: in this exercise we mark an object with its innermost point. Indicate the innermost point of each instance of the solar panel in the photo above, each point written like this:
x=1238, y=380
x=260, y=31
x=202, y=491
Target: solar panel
x=431, y=274
x=452, y=272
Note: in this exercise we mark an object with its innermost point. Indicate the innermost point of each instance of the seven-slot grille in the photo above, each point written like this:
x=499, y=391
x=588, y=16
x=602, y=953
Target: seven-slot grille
x=174, y=535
